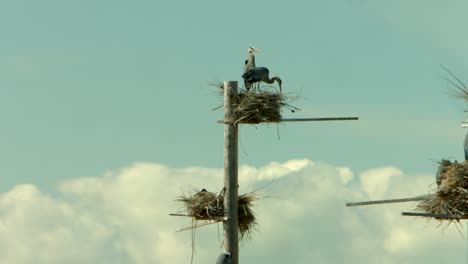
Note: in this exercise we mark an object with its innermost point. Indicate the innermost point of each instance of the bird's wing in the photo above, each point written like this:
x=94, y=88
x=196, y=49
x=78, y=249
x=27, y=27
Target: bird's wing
x=255, y=74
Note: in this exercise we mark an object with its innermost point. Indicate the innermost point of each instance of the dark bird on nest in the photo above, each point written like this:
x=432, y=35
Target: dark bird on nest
x=441, y=170
x=224, y=258
x=202, y=192
x=253, y=74
x=260, y=74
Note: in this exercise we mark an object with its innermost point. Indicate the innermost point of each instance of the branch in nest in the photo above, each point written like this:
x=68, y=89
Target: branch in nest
x=462, y=89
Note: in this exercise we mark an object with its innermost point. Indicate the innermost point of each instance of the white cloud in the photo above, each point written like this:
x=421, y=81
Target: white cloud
x=376, y=181
x=400, y=239
x=122, y=217
x=346, y=174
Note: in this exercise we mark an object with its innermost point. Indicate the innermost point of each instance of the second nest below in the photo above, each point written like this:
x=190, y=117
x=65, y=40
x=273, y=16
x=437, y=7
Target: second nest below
x=206, y=205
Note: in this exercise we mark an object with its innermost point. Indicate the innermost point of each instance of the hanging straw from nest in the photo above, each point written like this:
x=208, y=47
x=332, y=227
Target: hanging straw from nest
x=206, y=205
x=451, y=195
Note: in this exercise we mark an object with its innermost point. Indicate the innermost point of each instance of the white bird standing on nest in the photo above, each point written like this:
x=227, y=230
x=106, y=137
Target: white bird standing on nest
x=253, y=74
x=224, y=258
x=250, y=62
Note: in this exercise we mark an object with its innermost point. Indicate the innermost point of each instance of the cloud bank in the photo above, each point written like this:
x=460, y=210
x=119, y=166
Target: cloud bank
x=122, y=217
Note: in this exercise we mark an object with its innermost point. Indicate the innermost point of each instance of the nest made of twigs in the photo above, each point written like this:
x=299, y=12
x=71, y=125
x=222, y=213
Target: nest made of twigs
x=259, y=105
x=206, y=205
x=451, y=196
x=256, y=107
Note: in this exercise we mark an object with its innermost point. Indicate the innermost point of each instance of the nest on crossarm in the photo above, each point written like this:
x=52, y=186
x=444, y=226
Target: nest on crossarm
x=260, y=105
x=206, y=205
x=451, y=195
x=203, y=205
x=257, y=107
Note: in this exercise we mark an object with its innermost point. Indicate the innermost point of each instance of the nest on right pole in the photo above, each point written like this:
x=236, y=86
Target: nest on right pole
x=451, y=195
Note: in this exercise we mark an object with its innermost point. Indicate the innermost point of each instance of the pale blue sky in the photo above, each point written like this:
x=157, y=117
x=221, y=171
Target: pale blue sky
x=105, y=116
x=89, y=86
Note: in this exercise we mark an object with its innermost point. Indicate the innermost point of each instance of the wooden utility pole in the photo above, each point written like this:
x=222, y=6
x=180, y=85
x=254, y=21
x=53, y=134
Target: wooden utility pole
x=230, y=226
x=231, y=200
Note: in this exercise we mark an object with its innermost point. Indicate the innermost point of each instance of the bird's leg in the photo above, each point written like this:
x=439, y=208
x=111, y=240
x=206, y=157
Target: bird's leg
x=208, y=212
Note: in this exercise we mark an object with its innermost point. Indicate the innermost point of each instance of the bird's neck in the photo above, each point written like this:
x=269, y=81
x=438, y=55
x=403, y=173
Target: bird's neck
x=252, y=59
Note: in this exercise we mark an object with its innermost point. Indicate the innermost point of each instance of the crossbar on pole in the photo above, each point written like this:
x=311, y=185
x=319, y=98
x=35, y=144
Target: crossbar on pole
x=301, y=119
x=319, y=119
x=444, y=216
x=218, y=218
x=402, y=200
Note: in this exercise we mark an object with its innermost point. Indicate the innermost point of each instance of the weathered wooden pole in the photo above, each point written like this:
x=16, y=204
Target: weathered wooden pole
x=231, y=240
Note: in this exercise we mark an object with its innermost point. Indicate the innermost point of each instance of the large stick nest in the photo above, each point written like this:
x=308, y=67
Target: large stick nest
x=259, y=105
x=451, y=197
x=206, y=205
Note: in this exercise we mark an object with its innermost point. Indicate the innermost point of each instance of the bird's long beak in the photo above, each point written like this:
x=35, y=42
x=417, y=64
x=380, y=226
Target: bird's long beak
x=255, y=49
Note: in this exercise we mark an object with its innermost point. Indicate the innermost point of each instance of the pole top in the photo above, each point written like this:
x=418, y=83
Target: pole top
x=230, y=83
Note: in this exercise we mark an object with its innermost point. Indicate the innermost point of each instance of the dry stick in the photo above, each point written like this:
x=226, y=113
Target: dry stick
x=218, y=218
x=450, y=81
x=453, y=75
x=193, y=241
x=463, y=85
x=197, y=225
x=419, y=198
x=181, y=215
